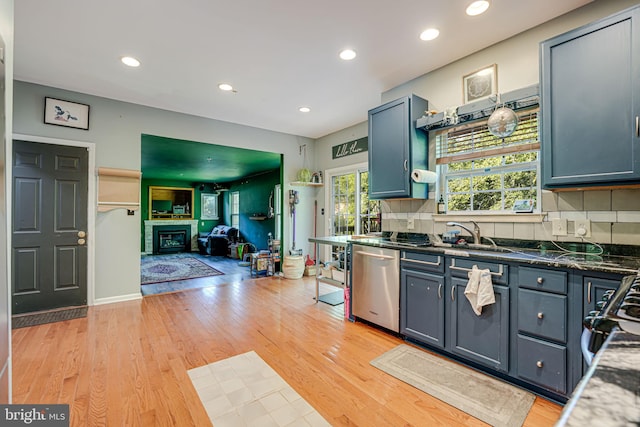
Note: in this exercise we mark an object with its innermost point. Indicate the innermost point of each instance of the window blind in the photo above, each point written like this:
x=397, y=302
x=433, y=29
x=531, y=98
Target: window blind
x=118, y=188
x=474, y=141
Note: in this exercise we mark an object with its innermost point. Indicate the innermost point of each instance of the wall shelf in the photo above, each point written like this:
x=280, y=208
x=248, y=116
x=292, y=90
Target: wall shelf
x=306, y=184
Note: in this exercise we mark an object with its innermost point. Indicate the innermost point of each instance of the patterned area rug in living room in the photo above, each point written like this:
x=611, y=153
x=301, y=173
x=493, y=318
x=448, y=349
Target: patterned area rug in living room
x=169, y=268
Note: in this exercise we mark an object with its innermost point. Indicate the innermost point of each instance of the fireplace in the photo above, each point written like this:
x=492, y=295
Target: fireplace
x=171, y=239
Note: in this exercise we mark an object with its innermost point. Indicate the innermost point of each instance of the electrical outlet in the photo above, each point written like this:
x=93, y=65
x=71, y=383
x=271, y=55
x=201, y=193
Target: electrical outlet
x=410, y=224
x=559, y=227
x=582, y=228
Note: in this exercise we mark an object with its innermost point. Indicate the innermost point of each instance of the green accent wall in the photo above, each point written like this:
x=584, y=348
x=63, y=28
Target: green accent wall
x=254, y=199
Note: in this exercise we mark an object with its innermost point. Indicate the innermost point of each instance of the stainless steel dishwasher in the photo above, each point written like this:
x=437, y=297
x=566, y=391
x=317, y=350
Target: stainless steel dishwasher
x=376, y=285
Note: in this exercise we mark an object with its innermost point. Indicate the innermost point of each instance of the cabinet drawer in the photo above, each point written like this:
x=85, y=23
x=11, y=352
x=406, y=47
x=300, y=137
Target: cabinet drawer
x=542, y=314
x=542, y=280
x=423, y=261
x=460, y=267
x=543, y=363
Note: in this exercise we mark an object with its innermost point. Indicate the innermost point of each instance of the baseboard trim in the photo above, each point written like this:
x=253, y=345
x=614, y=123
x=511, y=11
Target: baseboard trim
x=119, y=298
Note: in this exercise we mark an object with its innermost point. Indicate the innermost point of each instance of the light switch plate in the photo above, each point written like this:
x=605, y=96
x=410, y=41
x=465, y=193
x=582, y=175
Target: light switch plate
x=410, y=224
x=559, y=227
x=582, y=228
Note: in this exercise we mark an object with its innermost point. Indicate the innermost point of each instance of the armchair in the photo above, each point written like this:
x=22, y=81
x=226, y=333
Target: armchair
x=218, y=240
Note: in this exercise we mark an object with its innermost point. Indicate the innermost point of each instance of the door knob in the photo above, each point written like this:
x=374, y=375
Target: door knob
x=81, y=234
x=81, y=241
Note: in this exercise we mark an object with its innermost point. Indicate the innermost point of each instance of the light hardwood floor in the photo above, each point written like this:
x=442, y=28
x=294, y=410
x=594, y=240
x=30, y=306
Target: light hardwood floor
x=126, y=363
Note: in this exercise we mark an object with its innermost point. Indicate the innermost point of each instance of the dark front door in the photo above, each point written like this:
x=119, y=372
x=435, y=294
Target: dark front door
x=49, y=253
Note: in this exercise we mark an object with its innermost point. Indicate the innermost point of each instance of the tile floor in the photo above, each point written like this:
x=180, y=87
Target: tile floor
x=244, y=391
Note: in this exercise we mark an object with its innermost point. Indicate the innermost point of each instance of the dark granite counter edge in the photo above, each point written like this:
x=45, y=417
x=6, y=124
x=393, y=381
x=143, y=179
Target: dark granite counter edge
x=534, y=256
x=608, y=392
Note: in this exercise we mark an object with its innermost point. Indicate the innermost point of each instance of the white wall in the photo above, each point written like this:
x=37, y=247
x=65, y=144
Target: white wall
x=115, y=128
x=323, y=161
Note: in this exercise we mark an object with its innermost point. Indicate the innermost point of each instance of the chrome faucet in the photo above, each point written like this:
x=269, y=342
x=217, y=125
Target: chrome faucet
x=475, y=233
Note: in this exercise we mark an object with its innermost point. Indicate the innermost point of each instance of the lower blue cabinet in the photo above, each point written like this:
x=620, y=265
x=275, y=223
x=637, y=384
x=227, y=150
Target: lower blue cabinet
x=542, y=363
x=422, y=299
x=485, y=338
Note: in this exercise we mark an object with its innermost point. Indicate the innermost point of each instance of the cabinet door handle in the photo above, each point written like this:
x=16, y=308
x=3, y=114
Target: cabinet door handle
x=406, y=164
x=439, y=290
x=638, y=126
x=453, y=296
x=540, y=315
x=589, y=292
x=540, y=280
x=539, y=364
x=454, y=267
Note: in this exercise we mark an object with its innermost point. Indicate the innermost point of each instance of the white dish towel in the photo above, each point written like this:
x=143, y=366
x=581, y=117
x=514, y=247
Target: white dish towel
x=479, y=289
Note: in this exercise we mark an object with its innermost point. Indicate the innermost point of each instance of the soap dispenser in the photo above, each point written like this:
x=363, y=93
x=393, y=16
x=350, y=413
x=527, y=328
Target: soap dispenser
x=441, y=205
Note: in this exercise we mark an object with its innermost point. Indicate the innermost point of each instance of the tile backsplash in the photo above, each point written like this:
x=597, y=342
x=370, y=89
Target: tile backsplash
x=614, y=216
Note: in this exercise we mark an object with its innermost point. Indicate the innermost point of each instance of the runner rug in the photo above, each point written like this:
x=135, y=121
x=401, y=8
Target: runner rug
x=169, y=268
x=481, y=396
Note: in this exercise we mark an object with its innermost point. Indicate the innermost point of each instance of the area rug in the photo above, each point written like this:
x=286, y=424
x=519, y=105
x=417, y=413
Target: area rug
x=244, y=390
x=169, y=268
x=332, y=298
x=42, y=317
x=481, y=396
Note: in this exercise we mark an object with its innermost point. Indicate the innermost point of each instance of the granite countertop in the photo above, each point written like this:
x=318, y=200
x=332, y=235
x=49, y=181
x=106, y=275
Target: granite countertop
x=620, y=260
x=609, y=393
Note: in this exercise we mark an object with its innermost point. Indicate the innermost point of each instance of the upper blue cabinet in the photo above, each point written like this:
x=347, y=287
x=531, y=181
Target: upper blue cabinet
x=396, y=147
x=590, y=98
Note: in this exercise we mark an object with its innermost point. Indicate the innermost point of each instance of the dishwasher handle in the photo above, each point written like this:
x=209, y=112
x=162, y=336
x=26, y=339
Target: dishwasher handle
x=379, y=256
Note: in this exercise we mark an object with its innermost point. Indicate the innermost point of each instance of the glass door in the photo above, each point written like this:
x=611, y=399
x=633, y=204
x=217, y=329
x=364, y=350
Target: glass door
x=350, y=210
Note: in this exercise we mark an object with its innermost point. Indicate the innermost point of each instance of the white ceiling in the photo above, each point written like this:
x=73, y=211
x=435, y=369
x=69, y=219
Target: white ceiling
x=278, y=54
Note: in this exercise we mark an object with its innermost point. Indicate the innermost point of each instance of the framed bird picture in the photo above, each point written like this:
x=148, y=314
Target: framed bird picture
x=65, y=113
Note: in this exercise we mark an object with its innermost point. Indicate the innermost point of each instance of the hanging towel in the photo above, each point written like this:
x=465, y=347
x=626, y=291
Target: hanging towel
x=479, y=289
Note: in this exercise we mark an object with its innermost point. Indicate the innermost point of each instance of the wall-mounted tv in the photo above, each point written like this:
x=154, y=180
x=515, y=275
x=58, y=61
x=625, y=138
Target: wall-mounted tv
x=161, y=206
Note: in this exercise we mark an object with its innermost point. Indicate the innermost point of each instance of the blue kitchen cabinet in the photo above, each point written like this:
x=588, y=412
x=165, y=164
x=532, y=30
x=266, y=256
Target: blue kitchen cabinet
x=423, y=301
x=590, y=130
x=483, y=339
x=542, y=328
x=594, y=289
x=422, y=287
x=530, y=335
x=396, y=147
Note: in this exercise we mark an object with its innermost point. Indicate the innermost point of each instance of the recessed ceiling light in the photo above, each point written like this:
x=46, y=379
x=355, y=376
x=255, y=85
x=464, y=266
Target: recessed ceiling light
x=130, y=61
x=225, y=86
x=429, y=34
x=304, y=109
x=348, y=54
x=477, y=7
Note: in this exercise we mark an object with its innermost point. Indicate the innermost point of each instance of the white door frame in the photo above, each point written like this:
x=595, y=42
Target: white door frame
x=328, y=203
x=91, y=200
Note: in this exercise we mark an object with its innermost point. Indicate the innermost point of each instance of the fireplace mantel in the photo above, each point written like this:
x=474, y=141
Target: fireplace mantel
x=148, y=232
